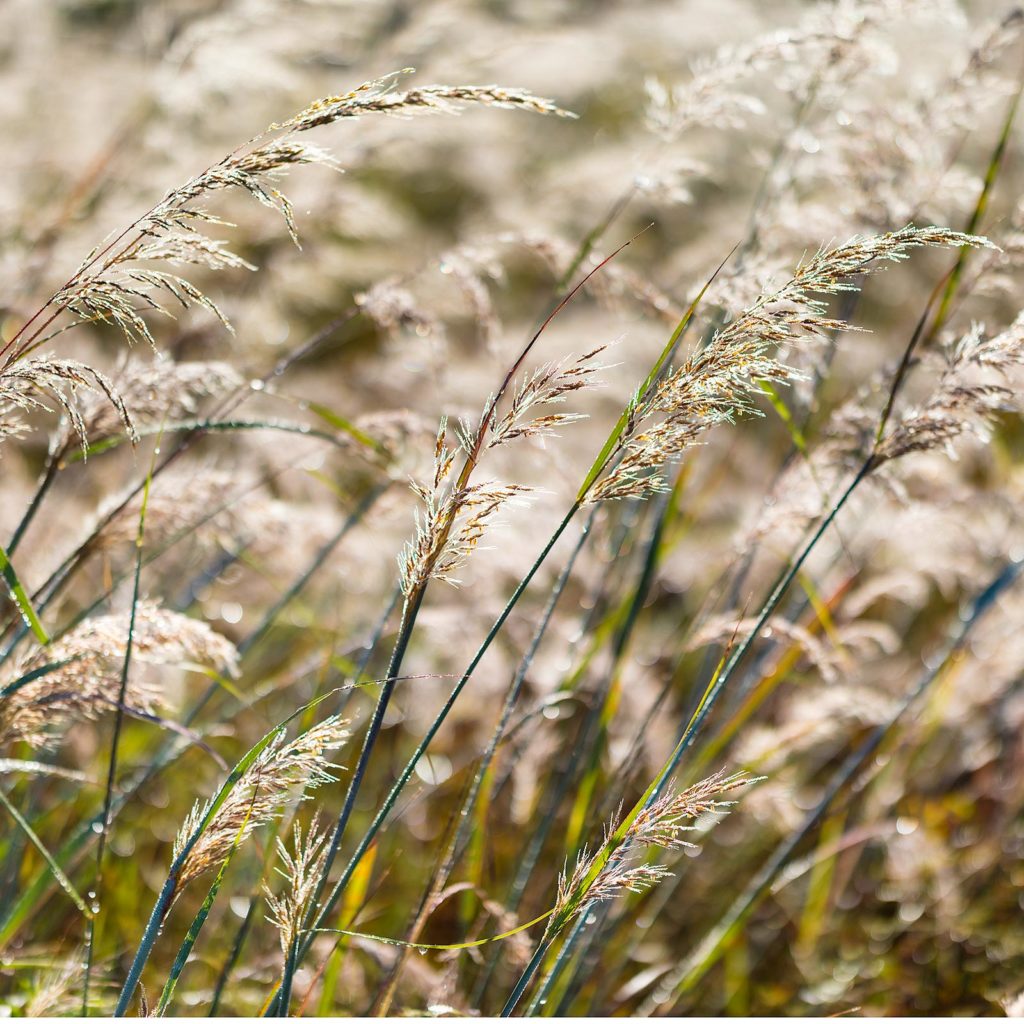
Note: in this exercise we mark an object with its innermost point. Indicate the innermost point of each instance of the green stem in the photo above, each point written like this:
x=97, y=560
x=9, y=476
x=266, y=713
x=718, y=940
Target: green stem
x=544, y=989
x=399, y=784
x=115, y=740
x=62, y=879
x=615, y=842
x=527, y=976
x=515, y=688
x=156, y=919
x=285, y=992
x=707, y=952
x=46, y=481
x=21, y=599
x=409, y=613
x=766, y=613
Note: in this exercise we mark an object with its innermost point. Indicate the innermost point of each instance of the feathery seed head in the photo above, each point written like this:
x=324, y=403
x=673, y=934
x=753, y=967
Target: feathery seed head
x=719, y=382
x=22, y=384
x=259, y=796
x=77, y=678
x=379, y=97
x=971, y=390
x=301, y=868
x=154, y=392
x=547, y=385
x=612, y=870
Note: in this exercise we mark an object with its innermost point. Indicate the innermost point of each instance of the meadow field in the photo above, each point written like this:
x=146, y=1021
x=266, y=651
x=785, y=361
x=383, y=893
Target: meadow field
x=511, y=508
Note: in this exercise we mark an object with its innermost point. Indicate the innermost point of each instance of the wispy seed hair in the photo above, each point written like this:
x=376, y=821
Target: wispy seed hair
x=260, y=795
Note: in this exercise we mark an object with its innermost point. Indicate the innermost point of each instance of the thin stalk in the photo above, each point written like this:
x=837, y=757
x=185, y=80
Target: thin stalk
x=233, y=955
x=527, y=976
x=169, y=891
x=707, y=952
x=981, y=205
x=389, y=801
x=666, y=505
x=200, y=919
x=409, y=612
x=115, y=740
x=686, y=738
x=554, y=794
x=572, y=985
x=662, y=503
x=415, y=597
x=371, y=645
x=44, y=485
x=594, y=236
x=51, y=863
x=242, y=933
x=153, y=926
x=544, y=990
x=515, y=688
x=431, y=899
x=767, y=610
x=284, y=995
x=532, y=854
x=951, y=282
x=464, y=819
x=20, y=598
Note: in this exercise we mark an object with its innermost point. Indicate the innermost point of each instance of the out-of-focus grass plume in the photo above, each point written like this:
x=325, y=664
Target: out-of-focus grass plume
x=536, y=533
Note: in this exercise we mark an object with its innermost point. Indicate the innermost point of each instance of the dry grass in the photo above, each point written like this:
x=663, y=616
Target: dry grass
x=595, y=466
